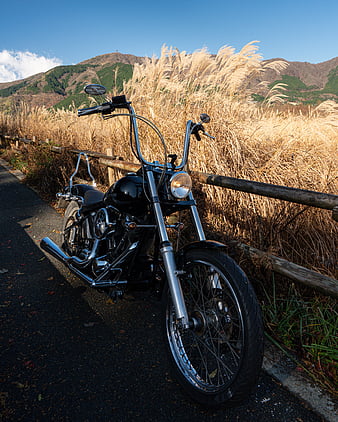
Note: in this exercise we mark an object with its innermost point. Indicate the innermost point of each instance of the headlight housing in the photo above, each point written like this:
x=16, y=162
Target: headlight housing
x=180, y=185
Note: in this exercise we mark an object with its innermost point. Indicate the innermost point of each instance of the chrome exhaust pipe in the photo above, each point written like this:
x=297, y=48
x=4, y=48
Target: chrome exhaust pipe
x=49, y=246
x=53, y=249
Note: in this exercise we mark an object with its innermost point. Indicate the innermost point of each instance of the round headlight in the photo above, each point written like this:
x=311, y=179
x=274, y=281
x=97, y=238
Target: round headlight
x=180, y=185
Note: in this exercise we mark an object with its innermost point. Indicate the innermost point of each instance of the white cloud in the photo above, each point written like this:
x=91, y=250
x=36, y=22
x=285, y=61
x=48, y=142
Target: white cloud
x=19, y=65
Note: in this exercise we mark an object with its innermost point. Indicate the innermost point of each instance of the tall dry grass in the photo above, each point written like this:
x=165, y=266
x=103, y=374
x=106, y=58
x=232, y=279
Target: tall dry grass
x=297, y=149
x=257, y=142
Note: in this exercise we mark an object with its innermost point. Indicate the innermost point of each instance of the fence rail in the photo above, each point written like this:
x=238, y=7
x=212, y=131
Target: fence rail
x=320, y=282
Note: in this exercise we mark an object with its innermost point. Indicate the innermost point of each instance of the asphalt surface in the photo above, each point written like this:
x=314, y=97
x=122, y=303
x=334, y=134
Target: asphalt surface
x=68, y=354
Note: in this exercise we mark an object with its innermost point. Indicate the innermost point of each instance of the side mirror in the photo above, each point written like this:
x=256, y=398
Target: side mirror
x=205, y=118
x=95, y=89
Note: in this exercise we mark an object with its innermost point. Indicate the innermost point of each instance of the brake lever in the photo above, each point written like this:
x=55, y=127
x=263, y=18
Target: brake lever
x=208, y=135
x=198, y=127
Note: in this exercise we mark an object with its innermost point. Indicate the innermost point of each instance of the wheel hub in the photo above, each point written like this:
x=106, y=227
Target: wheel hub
x=216, y=318
x=202, y=321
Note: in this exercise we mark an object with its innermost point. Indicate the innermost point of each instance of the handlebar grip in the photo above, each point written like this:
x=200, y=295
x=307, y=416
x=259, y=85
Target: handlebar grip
x=87, y=111
x=103, y=108
x=197, y=136
x=195, y=130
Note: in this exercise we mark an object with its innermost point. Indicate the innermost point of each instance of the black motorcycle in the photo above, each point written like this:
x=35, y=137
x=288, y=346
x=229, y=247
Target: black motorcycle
x=120, y=240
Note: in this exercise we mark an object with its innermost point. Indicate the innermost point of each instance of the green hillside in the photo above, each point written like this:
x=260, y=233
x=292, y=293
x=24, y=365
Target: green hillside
x=57, y=79
x=68, y=82
x=7, y=92
x=114, y=76
x=298, y=92
x=332, y=84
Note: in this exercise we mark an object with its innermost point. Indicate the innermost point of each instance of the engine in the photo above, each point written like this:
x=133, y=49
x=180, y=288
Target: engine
x=107, y=228
x=124, y=203
x=102, y=223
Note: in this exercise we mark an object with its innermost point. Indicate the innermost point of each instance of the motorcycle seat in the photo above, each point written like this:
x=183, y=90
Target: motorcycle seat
x=93, y=199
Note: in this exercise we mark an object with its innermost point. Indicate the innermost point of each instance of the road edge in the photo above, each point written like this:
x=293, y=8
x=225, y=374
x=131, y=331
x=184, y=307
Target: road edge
x=285, y=371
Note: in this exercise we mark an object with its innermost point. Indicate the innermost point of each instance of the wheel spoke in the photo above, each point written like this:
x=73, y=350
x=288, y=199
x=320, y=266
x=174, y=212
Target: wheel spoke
x=217, y=359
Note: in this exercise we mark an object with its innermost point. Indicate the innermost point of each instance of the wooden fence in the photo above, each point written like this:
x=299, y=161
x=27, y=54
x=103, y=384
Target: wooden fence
x=320, y=282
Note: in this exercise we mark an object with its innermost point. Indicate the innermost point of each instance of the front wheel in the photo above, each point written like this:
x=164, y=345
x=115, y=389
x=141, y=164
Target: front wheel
x=218, y=360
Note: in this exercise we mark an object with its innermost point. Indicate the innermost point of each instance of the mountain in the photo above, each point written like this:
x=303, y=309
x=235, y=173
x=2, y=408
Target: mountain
x=110, y=58
x=306, y=82
x=310, y=74
x=62, y=86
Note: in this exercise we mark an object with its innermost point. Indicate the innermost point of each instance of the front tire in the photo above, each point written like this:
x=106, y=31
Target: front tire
x=218, y=360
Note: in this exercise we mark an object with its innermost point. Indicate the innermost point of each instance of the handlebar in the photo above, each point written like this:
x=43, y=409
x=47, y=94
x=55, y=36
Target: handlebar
x=119, y=101
x=103, y=108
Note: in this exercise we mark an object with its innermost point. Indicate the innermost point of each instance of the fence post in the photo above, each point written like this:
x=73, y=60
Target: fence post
x=110, y=170
x=335, y=213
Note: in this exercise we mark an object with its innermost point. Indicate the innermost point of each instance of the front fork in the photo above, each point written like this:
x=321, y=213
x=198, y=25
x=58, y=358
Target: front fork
x=167, y=252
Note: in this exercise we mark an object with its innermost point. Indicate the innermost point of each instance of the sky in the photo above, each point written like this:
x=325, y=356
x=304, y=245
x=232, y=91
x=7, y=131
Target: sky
x=38, y=35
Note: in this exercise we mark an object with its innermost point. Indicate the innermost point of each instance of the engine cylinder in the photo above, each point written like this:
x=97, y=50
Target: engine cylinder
x=101, y=223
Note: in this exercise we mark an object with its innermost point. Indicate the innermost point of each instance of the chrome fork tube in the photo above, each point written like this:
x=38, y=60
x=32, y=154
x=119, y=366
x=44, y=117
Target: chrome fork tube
x=197, y=220
x=167, y=253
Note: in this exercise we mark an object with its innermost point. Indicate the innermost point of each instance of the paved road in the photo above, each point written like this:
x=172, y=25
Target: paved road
x=67, y=354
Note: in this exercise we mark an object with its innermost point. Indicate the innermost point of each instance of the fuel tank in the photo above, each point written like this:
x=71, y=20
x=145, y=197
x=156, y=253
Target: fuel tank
x=127, y=195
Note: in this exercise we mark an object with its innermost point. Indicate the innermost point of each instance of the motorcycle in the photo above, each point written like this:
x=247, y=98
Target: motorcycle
x=119, y=241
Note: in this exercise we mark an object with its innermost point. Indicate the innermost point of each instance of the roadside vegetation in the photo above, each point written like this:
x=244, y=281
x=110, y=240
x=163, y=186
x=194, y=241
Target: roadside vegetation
x=265, y=141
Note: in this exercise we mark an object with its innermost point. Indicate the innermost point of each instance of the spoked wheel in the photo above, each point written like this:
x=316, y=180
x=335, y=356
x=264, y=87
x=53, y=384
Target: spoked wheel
x=70, y=230
x=218, y=359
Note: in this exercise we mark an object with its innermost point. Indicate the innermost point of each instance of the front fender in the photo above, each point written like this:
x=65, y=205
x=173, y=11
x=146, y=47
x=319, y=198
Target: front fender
x=203, y=244
x=200, y=244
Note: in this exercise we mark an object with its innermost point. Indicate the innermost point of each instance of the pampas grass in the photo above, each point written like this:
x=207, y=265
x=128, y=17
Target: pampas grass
x=267, y=143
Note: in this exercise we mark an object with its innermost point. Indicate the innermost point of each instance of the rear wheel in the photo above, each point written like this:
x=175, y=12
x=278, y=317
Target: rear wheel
x=70, y=236
x=217, y=360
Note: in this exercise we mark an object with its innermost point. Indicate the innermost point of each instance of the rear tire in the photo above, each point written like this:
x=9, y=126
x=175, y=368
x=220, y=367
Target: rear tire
x=70, y=231
x=218, y=361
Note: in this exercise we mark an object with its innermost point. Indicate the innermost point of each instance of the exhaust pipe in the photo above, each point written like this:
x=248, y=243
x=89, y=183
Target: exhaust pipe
x=52, y=248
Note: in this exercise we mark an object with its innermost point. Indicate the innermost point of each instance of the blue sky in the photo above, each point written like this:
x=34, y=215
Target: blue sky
x=68, y=32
